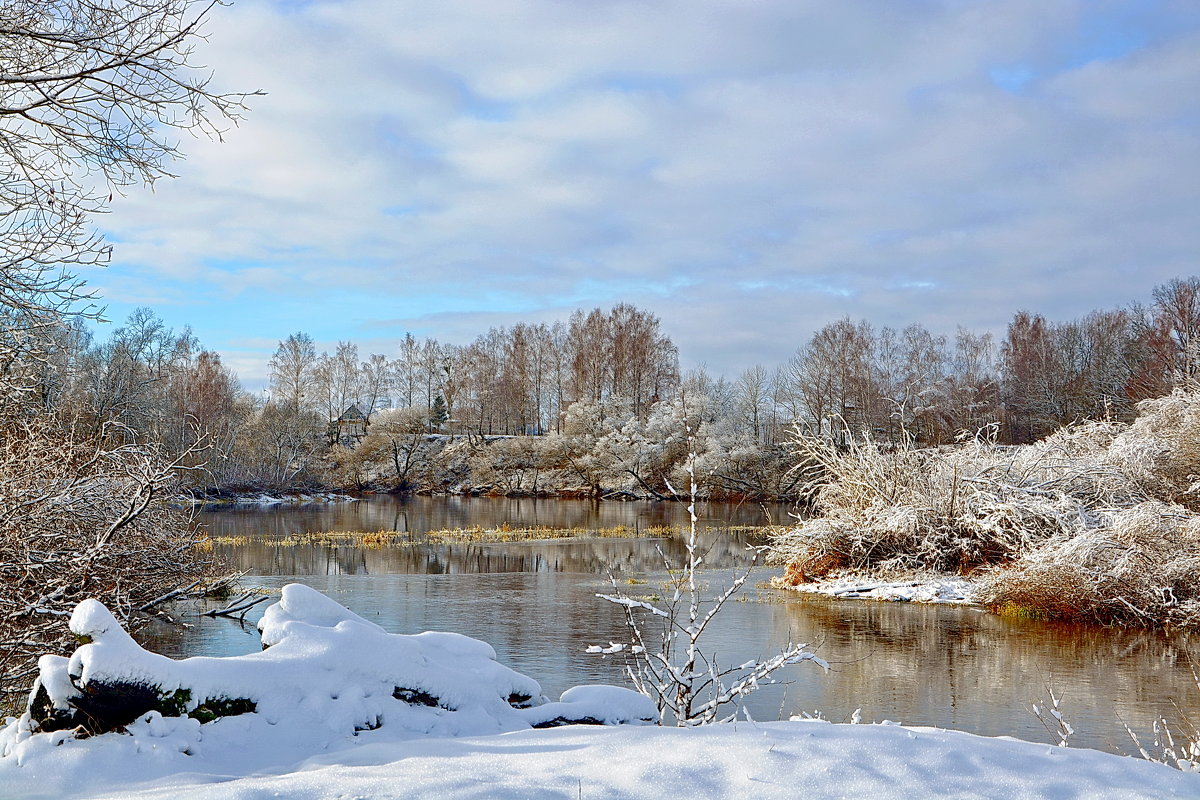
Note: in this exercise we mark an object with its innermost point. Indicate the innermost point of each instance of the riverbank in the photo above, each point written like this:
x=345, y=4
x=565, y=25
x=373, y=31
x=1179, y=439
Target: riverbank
x=1097, y=523
x=264, y=499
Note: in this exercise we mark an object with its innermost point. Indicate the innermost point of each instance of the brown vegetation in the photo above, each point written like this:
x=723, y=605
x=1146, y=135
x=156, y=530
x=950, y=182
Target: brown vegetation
x=1096, y=522
x=83, y=515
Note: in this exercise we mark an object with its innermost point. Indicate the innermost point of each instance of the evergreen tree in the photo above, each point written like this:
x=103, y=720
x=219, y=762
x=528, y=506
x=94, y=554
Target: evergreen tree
x=437, y=413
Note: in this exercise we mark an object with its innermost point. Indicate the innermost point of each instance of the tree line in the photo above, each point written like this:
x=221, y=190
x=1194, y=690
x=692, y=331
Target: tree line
x=606, y=372
x=915, y=386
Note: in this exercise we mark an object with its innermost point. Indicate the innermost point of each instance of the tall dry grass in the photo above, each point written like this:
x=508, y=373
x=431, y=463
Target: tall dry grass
x=1097, y=522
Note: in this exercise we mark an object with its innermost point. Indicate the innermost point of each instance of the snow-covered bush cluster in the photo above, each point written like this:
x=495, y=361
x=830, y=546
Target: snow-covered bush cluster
x=602, y=450
x=1097, y=521
x=324, y=674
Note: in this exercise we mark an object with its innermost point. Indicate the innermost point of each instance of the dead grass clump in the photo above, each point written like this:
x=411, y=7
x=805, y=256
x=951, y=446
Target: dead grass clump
x=1143, y=568
x=946, y=510
x=1160, y=451
x=1097, y=522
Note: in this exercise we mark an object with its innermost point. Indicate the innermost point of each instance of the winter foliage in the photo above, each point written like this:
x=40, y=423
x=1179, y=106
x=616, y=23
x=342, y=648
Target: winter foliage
x=1095, y=522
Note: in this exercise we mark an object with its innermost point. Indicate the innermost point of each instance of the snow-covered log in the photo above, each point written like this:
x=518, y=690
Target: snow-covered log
x=322, y=666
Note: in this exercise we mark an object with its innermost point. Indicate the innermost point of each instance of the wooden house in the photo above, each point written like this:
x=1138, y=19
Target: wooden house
x=349, y=428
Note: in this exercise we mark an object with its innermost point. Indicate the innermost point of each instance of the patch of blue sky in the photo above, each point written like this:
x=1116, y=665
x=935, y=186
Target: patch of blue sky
x=1105, y=32
x=1013, y=79
x=1108, y=32
x=399, y=142
x=478, y=106
x=488, y=110
x=404, y=211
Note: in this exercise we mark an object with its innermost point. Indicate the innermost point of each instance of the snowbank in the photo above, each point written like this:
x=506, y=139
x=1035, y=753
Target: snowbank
x=809, y=760
x=325, y=675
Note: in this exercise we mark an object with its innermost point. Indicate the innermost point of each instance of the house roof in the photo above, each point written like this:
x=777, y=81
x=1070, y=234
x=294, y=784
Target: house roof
x=352, y=414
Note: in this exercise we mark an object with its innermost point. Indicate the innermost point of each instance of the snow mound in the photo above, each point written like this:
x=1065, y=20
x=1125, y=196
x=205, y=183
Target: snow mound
x=927, y=590
x=325, y=676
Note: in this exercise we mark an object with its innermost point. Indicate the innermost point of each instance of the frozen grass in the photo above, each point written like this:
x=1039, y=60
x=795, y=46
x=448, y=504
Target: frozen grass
x=1096, y=523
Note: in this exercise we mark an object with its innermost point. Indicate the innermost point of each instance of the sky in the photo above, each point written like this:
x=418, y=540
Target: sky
x=748, y=171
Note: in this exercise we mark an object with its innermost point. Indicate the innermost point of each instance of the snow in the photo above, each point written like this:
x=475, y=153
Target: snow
x=920, y=590
x=793, y=759
x=326, y=724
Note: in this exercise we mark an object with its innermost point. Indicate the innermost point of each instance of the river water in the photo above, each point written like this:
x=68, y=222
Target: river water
x=535, y=603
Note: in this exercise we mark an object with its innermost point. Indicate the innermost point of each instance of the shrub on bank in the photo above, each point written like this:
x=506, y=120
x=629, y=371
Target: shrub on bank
x=1096, y=522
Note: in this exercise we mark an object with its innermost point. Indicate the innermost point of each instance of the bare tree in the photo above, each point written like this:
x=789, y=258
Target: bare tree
x=1177, y=306
x=754, y=390
x=375, y=384
x=91, y=95
x=292, y=371
x=90, y=91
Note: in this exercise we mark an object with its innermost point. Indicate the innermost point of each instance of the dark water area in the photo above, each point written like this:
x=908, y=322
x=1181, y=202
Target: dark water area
x=534, y=602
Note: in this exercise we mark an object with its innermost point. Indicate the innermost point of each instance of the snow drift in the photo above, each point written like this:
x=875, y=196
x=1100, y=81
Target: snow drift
x=324, y=672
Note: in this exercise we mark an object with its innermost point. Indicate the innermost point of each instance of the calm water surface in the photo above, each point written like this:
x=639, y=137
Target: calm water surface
x=943, y=666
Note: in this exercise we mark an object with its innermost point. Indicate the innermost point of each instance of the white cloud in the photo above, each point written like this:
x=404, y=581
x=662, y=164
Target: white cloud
x=680, y=155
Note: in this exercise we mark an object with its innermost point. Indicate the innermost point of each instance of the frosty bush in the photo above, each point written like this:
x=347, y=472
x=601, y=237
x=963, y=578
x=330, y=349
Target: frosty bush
x=669, y=665
x=1095, y=522
x=82, y=514
x=1140, y=565
x=1160, y=451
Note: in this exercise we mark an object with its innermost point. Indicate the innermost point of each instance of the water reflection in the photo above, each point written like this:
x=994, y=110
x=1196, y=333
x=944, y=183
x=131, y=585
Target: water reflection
x=962, y=668
x=535, y=603
x=419, y=514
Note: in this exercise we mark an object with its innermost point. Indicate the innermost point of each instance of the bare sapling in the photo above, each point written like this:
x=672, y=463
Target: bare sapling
x=1179, y=748
x=1051, y=717
x=670, y=665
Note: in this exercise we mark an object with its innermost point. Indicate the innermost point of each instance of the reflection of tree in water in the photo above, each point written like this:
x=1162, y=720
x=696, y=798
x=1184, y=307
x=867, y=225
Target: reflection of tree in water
x=597, y=556
x=962, y=668
x=417, y=514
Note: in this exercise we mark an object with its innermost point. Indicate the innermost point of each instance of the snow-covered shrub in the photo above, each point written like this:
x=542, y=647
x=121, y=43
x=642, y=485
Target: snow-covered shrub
x=1095, y=522
x=509, y=465
x=322, y=667
x=1161, y=450
x=83, y=512
x=946, y=509
x=1141, y=565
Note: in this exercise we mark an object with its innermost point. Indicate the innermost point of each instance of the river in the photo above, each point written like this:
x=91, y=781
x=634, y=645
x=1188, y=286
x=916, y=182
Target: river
x=535, y=603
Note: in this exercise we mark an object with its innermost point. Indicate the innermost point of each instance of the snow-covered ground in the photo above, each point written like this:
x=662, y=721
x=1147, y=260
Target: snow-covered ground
x=924, y=589
x=342, y=709
x=800, y=759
